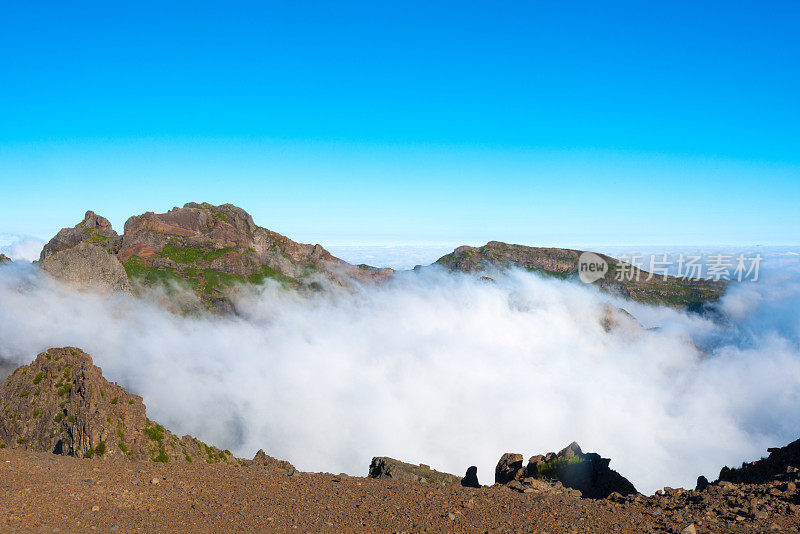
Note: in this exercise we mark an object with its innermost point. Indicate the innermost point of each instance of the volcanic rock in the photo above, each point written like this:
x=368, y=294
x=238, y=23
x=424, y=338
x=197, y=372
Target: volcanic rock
x=384, y=467
x=4, y=259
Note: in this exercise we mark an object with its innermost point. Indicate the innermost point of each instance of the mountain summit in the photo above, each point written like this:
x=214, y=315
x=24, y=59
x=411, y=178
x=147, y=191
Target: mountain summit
x=207, y=249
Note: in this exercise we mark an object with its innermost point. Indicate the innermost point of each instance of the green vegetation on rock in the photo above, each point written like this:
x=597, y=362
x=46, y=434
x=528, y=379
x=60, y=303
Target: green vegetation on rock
x=192, y=254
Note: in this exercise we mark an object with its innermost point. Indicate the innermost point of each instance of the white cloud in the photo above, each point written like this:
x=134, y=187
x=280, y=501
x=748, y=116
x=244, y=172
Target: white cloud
x=442, y=369
x=16, y=247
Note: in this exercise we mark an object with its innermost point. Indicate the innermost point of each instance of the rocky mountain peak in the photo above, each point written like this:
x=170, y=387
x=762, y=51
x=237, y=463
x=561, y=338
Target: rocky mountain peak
x=93, y=229
x=210, y=251
x=61, y=403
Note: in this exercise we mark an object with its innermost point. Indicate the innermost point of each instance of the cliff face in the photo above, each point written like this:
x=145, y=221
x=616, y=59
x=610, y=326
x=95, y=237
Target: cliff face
x=690, y=294
x=205, y=249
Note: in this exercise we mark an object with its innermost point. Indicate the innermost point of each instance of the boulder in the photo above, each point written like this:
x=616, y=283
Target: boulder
x=508, y=468
x=470, y=479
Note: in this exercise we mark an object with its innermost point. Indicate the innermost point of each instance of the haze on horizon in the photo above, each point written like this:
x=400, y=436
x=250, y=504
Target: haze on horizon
x=367, y=124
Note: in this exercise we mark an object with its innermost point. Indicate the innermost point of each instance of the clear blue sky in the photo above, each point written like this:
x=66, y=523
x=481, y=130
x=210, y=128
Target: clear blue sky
x=409, y=122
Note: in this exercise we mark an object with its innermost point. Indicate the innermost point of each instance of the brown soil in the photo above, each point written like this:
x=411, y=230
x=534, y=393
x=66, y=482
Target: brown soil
x=42, y=492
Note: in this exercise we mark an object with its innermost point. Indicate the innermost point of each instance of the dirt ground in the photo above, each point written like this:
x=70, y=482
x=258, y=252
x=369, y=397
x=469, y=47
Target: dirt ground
x=42, y=492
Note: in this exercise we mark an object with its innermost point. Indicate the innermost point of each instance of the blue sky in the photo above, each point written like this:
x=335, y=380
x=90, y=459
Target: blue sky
x=409, y=122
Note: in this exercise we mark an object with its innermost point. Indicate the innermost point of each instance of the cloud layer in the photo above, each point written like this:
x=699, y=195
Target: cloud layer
x=444, y=369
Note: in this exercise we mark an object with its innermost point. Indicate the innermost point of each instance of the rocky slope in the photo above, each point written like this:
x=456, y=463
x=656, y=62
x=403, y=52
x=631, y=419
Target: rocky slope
x=61, y=403
x=759, y=495
x=691, y=294
x=4, y=259
x=207, y=250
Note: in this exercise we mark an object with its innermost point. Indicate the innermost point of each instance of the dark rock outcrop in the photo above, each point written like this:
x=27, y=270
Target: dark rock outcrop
x=4, y=259
x=508, y=468
x=61, y=403
x=586, y=473
x=383, y=467
x=766, y=469
x=692, y=294
x=470, y=479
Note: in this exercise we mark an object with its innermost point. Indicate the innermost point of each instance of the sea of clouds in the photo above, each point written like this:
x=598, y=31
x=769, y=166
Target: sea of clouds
x=446, y=370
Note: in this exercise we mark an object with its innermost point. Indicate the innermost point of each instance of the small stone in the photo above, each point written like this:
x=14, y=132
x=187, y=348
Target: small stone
x=95, y=508
x=451, y=516
x=690, y=529
x=155, y=481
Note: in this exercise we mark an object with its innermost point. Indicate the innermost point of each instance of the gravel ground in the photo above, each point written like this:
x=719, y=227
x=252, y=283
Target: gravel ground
x=41, y=492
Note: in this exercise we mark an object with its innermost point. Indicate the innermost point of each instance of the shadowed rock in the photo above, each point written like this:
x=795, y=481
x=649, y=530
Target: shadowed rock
x=587, y=473
x=470, y=479
x=508, y=468
x=780, y=460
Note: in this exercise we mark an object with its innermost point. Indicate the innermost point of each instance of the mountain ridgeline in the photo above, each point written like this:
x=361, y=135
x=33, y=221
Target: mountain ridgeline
x=621, y=278
x=209, y=250
x=200, y=255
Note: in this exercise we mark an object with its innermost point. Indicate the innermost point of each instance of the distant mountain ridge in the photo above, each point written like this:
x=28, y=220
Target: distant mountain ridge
x=691, y=294
x=210, y=251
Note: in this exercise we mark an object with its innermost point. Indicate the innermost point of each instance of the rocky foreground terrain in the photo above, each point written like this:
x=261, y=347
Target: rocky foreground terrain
x=78, y=454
